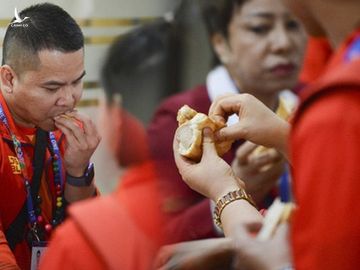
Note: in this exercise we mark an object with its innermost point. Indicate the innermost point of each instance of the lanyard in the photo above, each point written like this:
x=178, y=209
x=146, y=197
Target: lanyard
x=58, y=174
x=57, y=165
x=285, y=192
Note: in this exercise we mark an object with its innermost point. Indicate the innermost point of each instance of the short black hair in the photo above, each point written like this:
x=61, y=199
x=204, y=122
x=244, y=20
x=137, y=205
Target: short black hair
x=134, y=54
x=48, y=27
x=217, y=15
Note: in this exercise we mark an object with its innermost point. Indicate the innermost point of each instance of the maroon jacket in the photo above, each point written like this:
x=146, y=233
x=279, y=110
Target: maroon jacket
x=188, y=211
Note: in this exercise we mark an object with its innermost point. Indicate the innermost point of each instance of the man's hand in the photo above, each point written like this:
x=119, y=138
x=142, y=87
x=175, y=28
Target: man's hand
x=209, y=254
x=253, y=254
x=82, y=138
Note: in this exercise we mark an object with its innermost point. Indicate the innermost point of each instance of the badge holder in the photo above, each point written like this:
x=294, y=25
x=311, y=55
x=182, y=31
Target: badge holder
x=37, y=251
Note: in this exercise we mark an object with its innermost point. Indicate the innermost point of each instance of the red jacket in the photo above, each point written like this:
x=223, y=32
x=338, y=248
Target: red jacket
x=12, y=190
x=318, y=54
x=189, y=212
x=326, y=142
x=120, y=231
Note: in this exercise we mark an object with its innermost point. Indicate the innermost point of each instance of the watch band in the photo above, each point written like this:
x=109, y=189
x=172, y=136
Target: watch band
x=239, y=194
x=82, y=181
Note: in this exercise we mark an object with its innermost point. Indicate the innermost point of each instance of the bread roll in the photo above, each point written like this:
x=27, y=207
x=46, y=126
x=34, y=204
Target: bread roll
x=189, y=133
x=74, y=119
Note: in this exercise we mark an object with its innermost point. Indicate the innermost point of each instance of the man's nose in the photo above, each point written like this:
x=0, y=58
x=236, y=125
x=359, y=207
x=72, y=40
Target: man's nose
x=67, y=97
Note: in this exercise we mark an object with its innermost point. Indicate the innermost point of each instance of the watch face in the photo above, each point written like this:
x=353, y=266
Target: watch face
x=89, y=175
x=84, y=180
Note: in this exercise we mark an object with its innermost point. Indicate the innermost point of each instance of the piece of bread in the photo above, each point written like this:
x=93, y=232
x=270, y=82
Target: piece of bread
x=189, y=133
x=74, y=119
x=279, y=212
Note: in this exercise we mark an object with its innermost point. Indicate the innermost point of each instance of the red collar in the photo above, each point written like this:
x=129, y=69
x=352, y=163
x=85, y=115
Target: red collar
x=339, y=72
x=20, y=132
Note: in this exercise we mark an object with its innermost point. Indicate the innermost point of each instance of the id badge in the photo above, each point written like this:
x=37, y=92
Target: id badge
x=38, y=249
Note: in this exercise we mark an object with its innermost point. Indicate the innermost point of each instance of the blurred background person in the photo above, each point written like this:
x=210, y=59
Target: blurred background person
x=124, y=229
x=259, y=48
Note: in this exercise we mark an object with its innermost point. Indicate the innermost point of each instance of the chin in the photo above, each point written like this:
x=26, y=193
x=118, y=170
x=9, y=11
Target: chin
x=47, y=126
x=276, y=88
x=288, y=83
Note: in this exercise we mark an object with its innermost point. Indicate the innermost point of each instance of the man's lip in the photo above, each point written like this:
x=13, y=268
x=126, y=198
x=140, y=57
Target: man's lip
x=63, y=113
x=281, y=70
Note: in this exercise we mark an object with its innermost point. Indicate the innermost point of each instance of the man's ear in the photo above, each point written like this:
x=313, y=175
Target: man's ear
x=7, y=75
x=221, y=48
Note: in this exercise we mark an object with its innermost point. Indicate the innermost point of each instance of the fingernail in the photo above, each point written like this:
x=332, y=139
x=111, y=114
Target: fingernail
x=217, y=136
x=207, y=131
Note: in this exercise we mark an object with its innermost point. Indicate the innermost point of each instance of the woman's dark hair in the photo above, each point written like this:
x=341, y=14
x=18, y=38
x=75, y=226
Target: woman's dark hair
x=217, y=15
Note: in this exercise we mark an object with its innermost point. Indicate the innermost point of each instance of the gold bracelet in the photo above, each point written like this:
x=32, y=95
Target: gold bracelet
x=239, y=194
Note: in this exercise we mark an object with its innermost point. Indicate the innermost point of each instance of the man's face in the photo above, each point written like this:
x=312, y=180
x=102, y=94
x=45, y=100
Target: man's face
x=52, y=89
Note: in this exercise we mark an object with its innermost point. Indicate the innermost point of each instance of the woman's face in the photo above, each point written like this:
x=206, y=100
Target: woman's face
x=264, y=48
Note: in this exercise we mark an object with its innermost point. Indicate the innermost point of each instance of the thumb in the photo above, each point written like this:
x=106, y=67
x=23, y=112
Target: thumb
x=233, y=132
x=208, y=142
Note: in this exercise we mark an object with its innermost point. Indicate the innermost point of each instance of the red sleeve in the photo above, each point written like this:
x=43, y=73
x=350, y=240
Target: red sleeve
x=325, y=153
x=69, y=250
x=7, y=259
x=161, y=134
x=192, y=223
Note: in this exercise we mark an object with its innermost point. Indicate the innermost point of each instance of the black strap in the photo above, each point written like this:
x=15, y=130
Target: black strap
x=16, y=231
x=38, y=162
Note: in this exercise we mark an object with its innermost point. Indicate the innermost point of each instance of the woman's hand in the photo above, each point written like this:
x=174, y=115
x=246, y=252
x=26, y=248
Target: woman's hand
x=259, y=171
x=257, y=123
x=212, y=176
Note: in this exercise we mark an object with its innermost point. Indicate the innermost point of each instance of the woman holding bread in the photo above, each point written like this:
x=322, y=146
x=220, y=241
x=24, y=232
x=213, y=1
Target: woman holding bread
x=325, y=226
x=259, y=46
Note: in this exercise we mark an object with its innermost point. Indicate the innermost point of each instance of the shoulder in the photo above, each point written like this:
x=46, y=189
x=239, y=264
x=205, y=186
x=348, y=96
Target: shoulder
x=165, y=114
x=332, y=87
x=121, y=244
x=68, y=249
x=335, y=112
x=190, y=97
